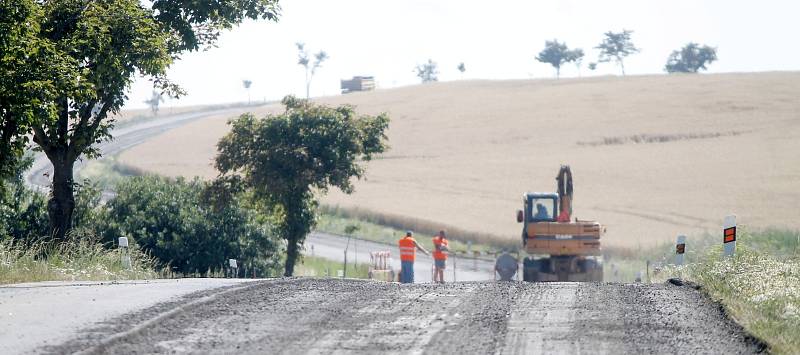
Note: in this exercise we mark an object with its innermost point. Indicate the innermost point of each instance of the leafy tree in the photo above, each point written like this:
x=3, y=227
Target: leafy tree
x=311, y=68
x=80, y=60
x=247, y=84
x=576, y=56
x=31, y=71
x=592, y=66
x=691, y=59
x=190, y=225
x=427, y=72
x=155, y=100
x=462, y=68
x=555, y=54
x=283, y=159
x=617, y=46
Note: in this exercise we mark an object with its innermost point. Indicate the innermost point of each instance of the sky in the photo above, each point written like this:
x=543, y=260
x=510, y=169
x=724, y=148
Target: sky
x=494, y=39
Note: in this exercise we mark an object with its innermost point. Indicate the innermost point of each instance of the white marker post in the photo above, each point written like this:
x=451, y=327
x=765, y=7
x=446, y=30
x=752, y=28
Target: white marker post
x=729, y=235
x=234, y=268
x=680, y=249
x=125, y=258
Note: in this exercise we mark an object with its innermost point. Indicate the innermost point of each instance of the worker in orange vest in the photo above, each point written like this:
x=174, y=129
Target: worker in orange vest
x=439, y=256
x=408, y=251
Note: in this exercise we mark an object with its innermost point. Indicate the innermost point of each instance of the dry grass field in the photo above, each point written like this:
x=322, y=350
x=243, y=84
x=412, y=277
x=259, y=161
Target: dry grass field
x=652, y=156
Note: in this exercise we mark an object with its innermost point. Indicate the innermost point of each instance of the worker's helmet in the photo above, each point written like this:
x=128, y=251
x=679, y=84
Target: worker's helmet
x=409, y=233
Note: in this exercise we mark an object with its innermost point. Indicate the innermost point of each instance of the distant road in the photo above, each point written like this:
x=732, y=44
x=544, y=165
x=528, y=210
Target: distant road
x=124, y=138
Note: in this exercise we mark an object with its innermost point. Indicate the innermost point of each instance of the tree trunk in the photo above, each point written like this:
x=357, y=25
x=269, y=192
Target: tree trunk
x=622, y=65
x=62, y=200
x=291, y=257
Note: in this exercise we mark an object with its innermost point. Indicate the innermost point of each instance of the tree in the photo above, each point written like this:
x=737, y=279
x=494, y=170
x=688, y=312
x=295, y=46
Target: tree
x=427, y=72
x=616, y=47
x=84, y=56
x=31, y=70
x=155, y=100
x=247, y=83
x=557, y=54
x=576, y=56
x=690, y=59
x=592, y=66
x=311, y=68
x=283, y=159
x=462, y=68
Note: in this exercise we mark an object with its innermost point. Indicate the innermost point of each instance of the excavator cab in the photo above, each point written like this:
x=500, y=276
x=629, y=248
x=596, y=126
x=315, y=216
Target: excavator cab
x=541, y=207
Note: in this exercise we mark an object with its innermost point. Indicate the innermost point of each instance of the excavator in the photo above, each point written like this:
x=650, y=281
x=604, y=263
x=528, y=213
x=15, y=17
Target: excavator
x=559, y=249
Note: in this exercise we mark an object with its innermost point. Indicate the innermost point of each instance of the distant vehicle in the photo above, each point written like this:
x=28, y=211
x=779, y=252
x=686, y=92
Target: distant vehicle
x=560, y=249
x=358, y=83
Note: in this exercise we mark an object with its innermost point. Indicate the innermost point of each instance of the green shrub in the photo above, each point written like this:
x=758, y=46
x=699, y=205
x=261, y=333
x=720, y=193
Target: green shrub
x=191, y=226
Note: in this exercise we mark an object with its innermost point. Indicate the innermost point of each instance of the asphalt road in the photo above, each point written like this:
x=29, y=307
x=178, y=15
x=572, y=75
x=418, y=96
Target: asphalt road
x=333, y=316
x=39, y=314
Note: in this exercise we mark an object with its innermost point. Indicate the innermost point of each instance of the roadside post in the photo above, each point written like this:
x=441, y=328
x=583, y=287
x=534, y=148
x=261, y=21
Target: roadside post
x=125, y=256
x=680, y=249
x=729, y=235
x=234, y=268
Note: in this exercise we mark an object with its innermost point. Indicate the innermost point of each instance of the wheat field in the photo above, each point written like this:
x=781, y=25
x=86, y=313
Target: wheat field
x=652, y=156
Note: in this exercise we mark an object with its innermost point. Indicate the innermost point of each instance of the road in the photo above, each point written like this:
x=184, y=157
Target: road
x=332, y=316
x=39, y=314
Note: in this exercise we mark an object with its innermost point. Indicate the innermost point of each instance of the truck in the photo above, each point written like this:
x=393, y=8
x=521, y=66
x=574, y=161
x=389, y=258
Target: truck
x=559, y=248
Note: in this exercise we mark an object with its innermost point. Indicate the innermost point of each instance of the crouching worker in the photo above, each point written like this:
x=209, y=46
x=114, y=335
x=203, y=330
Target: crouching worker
x=408, y=251
x=506, y=266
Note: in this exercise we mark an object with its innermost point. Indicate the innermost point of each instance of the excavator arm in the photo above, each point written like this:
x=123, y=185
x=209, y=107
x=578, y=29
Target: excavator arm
x=564, y=179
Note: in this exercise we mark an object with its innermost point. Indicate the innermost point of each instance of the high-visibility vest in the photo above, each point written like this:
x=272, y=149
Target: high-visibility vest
x=408, y=248
x=438, y=243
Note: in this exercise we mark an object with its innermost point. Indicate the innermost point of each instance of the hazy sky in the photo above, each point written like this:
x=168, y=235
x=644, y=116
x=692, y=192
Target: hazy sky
x=495, y=40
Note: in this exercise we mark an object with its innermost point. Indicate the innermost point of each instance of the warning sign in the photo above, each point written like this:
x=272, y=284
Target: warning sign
x=730, y=235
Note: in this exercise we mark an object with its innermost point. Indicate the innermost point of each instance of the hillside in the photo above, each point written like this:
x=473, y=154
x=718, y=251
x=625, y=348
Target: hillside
x=653, y=156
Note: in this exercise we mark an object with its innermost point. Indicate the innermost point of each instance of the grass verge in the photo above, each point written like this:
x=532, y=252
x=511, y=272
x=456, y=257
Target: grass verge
x=313, y=266
x=82, y=259
x=759, y=286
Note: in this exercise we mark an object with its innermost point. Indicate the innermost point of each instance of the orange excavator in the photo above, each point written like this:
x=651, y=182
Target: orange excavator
x=559, y=249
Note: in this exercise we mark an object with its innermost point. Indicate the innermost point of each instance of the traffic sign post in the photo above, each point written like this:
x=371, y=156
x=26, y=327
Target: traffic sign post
x=680, y=249
x=729, y=235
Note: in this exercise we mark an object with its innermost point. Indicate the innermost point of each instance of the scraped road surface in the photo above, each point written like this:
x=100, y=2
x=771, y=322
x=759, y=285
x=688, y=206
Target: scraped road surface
x=315, y=316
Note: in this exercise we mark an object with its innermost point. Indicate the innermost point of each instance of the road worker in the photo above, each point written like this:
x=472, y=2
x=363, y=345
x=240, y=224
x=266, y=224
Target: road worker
x=408, y=251
x=439, y=256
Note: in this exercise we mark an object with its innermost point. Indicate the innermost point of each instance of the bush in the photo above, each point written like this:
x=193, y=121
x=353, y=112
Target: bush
x=191, y=226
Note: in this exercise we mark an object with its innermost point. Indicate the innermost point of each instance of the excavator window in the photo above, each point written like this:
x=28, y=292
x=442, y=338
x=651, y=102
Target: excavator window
x=541, y=209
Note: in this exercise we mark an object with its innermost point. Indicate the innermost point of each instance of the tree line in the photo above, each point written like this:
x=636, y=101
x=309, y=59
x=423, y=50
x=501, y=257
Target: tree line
x=615, y=47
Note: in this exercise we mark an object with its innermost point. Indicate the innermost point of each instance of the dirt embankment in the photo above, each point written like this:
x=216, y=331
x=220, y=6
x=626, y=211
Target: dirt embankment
x=343, y=316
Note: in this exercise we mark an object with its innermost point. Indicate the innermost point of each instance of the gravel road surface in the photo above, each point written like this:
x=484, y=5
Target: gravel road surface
x=314, y=316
